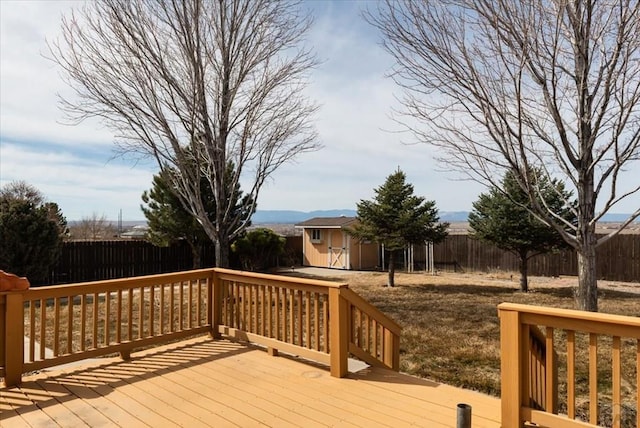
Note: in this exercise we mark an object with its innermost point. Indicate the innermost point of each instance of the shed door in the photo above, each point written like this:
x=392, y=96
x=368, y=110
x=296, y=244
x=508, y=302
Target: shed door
x=337, y=250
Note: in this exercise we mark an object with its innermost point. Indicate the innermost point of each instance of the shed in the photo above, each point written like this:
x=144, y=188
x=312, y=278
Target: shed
x=326, y=243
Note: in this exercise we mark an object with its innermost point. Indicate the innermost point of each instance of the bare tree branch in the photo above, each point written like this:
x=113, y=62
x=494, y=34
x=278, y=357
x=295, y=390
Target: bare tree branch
x=196, y=85
x=548, y=85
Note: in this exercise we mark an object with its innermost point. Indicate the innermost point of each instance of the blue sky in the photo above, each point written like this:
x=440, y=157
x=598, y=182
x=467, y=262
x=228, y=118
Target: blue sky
x=76, y=166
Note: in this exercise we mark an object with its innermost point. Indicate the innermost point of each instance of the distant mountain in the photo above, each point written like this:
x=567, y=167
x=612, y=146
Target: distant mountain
x=289, y=217
x=454, y=216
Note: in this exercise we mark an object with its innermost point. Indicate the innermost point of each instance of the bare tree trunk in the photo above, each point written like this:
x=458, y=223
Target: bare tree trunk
x=196, y=250
x=222, y=251
x=524, y=272
x=587, y=294
x=392, y=269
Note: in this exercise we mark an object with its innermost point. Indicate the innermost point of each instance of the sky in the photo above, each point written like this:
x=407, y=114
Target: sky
x=77, y=167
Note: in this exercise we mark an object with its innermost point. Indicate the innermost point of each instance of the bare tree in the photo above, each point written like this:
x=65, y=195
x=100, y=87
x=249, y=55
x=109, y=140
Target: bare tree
x=94, y=227
x=501, y=86
x=197, y=85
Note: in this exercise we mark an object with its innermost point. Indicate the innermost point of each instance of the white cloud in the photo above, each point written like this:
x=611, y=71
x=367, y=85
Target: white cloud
x=71, y=164
x=79, y=186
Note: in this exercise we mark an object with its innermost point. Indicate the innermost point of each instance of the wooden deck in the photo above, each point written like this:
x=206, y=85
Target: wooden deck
x=201, y=382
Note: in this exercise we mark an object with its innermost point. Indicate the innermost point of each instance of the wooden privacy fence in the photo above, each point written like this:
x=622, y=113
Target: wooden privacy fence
x=319, y=320
x=585, y=365
x=617, y=260
x=82, y=261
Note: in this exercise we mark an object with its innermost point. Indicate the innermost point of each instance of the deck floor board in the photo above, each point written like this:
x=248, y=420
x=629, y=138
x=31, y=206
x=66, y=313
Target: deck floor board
x=201, y=382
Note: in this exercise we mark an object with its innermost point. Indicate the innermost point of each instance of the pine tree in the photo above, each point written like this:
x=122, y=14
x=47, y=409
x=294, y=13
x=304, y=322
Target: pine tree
x=31, y=232
x=503, y=219
x=396, y=218
x=169, y=221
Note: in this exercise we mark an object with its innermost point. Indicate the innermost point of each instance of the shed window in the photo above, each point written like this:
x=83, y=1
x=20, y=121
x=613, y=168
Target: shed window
x=316, y=236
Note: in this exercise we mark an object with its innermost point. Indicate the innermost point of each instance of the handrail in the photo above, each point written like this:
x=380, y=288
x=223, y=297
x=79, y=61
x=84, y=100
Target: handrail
x=93, y=319
x=374, y=337
x=566, y=333
x=320, y=320
x=300, y=316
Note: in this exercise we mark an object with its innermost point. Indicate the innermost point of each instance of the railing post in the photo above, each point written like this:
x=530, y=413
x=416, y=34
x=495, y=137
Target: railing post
x=13, y=338
x=391, y=350
x=338, y=333
x=511, y=367
x=215, y=303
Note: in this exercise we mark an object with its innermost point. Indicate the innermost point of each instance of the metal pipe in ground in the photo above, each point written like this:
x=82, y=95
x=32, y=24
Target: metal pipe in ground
x=464, y=416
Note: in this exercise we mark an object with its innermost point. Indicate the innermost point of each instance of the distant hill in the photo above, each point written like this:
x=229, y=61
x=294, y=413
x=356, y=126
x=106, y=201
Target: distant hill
x=289, y=216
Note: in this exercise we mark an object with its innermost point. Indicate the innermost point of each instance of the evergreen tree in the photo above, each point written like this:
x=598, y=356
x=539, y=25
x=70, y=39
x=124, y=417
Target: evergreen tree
x=169, y=221
x=259, y=249
x=504, y=218
x=396, y=218
x=31, y=232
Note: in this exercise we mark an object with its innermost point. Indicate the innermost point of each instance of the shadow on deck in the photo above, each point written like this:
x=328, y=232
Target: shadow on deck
x=202, y=382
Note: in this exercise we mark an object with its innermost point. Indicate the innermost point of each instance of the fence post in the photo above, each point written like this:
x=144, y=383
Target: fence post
x=511, y=366
x=338, y=333
x=215, y=303
x=13, y=333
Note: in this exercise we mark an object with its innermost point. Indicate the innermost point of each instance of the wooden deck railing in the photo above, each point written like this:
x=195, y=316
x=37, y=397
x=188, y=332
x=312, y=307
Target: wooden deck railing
x=585, y=348
x=318, y=320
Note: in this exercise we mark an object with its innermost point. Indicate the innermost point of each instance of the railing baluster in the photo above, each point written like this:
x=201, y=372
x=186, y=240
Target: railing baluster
x=571, y=374
x=237, y=303
x=616, y=381
x=69, y=324
x=263, y=307
x=107, y=313
x=56, y=326
x=130, y=314
x=94, y=320
x=292, y=317
x=152, y=310
x=307, y=303
x=171, y=307
x=32, y=330
x=299, y=341
x=593, y=378
x=199, y=303
x=181, y=306
x=325, y=322
x=374, y=327
x=277, y=313
x=243, y=312
x=83, y=320
x=141, y=313
x=316, y=321
x=269, y=311
x=43, y=327
x=551, y=401
x=162, y=311
x=190, y=303
x=119, y=316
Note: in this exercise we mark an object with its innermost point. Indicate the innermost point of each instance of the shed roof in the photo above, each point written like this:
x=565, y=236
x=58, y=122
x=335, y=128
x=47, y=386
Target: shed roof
x=327, y=222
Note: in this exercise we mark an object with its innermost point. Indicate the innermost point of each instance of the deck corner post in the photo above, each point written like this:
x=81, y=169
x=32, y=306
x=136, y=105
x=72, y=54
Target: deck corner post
x=215, y=303
x=338, y=334
x=13, y=333
x=391, y=350
x=511, y=361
